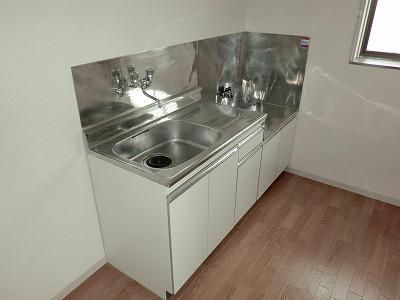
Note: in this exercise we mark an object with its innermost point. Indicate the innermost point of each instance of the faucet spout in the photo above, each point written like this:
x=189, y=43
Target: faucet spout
x=159, y=102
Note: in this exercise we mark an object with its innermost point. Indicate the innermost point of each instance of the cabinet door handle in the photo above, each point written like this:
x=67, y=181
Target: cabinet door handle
x=190, y=182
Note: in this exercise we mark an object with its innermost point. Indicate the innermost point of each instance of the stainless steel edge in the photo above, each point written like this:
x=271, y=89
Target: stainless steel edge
x=249, y=137
x=127, y=167
x=249, y=155
x=273, y=133
x=170, y=250
x=196, y=178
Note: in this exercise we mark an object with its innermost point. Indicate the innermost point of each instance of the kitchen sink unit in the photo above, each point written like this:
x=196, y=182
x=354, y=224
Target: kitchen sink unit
x=178, y=158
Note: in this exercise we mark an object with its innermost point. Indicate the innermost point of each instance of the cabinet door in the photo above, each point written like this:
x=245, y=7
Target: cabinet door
x=247, y=183
x=222, y=193
x=188, y=222
x=285, y=146
x=268, y=164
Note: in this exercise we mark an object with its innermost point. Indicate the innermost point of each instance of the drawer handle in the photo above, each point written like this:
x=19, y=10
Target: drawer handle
x=250, y=155
x=250, y=137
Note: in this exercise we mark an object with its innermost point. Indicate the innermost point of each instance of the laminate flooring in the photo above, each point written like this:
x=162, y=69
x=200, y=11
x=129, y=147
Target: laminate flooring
x=301, y=240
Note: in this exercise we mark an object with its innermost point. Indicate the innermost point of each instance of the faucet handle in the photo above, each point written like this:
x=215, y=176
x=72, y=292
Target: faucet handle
x=150, y=72
x=133, y=76
x=131, y=69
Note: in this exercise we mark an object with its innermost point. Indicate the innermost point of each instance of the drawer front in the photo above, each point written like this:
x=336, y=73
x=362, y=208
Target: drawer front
x=250, y=142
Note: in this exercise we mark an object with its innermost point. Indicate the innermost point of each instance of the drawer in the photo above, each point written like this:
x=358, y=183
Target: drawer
x=250, y=142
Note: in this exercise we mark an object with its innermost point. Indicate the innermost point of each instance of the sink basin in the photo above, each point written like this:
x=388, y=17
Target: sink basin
x=168, y=148
x=167, y=144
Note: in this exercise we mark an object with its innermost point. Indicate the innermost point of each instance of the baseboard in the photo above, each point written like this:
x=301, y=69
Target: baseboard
x=346, y=187
x=74, y=284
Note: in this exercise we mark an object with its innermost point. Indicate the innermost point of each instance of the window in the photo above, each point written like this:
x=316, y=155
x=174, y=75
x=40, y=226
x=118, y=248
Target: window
x=378, y=41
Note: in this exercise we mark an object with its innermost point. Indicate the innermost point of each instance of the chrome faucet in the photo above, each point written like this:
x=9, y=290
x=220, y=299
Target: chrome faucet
x=133, y=80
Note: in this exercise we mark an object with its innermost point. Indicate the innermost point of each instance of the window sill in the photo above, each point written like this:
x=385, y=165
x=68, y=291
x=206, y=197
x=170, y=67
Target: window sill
x=376, y=62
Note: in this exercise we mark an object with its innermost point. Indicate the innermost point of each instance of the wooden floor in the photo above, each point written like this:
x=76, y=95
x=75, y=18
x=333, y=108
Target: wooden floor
x=302, y=240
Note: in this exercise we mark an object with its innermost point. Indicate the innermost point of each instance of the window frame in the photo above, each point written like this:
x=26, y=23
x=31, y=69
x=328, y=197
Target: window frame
x=360, y=54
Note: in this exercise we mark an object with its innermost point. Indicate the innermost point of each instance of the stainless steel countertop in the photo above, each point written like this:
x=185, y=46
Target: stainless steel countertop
x=231, y=121
x=277, y=116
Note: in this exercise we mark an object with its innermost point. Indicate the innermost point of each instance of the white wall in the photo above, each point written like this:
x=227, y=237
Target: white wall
x=49, y=233
x=348, y=129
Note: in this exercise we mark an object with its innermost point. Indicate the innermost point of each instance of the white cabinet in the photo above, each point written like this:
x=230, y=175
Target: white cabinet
x=204, y=214
x=222, y=191
x=285, y=146
x=161, y=245
x=269, y=160
x=247, y=183
x=188, y=225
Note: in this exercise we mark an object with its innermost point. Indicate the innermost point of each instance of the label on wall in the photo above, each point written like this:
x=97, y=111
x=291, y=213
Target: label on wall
x=305, y=43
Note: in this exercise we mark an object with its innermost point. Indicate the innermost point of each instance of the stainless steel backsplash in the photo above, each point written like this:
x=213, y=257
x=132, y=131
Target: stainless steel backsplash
x=257, y=66
x=220, y=63
x=273, y=68
x=175, y=71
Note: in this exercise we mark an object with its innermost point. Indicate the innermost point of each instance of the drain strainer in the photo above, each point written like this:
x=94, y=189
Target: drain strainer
x=158, y=161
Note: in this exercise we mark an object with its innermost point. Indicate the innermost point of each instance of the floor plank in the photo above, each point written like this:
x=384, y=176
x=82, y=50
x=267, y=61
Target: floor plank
x=322, y=293
x=302, y=240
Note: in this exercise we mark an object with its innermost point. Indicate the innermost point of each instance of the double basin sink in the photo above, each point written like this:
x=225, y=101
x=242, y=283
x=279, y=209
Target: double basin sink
x=170, y=148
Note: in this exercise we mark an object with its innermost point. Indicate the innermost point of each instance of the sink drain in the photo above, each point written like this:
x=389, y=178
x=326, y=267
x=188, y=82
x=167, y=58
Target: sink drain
x=158, y=161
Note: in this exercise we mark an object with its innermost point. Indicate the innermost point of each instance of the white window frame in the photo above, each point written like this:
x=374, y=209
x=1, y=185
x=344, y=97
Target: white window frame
x=360, y=55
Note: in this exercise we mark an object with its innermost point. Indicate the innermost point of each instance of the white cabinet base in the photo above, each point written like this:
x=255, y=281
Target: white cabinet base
x=247, y=183
x=188, y=216
x=134, y=224
x=285, y=146
x=161, y=244
x=269, y=160
x=222, y=192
